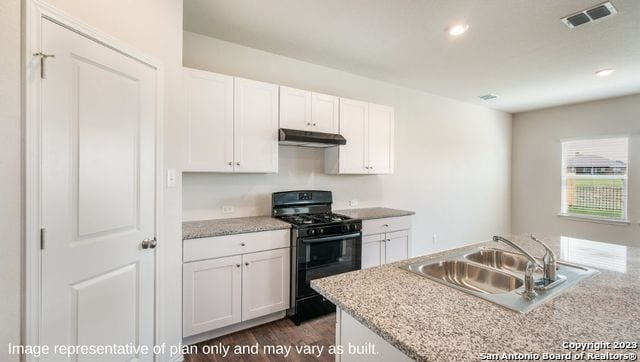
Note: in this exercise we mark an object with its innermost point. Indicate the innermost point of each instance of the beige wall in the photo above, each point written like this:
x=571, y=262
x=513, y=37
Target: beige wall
x=452, y=160
x=537, y=158
x=10, y=176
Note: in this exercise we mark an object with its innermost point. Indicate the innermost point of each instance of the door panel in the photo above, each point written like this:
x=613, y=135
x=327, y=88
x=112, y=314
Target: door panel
x=256, y=126
x=353, y=126
x=108, y=139
x=98, y=117
x=295, y=109
x=265, y=283
x=397, y=246
x=380, y=139
x=325, y=113
x=372, y=254
x=91, y=325
x=211, y=294
x=209, y=117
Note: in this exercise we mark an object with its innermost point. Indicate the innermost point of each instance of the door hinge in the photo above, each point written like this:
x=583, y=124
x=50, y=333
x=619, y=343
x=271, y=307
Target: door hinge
x=43, y=58
x=42, y=231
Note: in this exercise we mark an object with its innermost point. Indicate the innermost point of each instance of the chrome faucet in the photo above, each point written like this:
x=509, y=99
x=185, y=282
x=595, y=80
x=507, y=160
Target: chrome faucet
x=549, y=260
x=532, y=266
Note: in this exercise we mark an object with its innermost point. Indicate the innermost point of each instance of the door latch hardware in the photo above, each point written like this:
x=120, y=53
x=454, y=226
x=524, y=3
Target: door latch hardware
x=43, y=58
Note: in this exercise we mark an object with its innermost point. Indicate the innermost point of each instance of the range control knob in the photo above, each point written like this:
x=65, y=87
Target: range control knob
x=345, y=227
x=320, y=231
x=312, y=231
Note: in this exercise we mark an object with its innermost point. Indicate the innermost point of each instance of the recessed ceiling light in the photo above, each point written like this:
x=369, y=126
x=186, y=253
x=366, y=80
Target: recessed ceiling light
x=457, y=29
x=488, y=96
x=604, y=72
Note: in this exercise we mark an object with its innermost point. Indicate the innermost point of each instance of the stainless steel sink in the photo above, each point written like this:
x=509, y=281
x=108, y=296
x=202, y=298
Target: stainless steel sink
x=496, y=275
x=499, y=259
x=469, y=276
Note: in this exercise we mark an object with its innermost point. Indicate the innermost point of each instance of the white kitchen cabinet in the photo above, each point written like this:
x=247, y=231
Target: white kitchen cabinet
x=381, y=133
x=265, y=283
x=228, y=289
x=369, y=131
x=385, y=240
x=211, y=294
x=308, y=111
x=209, y=121
x=255, y=126
x=325, y=111
x=232, y=123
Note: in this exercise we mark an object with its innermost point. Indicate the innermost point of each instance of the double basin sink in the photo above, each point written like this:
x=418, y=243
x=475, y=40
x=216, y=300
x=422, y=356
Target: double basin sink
x=497, y=275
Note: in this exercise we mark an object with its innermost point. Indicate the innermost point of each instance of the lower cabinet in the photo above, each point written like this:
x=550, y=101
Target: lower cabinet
x=380, y=249
x=228, y=290
x=385, y=240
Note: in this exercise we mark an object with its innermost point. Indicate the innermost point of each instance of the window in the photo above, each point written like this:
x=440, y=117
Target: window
x=594, y=177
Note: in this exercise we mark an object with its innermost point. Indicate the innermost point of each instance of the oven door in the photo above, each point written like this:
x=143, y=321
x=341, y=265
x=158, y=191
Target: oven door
x=325, y=256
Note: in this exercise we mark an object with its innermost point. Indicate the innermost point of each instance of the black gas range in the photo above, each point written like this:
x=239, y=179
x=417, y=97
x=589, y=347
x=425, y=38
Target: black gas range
x=322, y=244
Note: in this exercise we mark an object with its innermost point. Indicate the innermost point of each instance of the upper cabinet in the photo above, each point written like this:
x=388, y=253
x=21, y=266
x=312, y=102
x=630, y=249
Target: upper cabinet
x=232, y=123
x=209, y=121
x=256, y=126
x=308, y=111
x=232, y=126
x=369, y=130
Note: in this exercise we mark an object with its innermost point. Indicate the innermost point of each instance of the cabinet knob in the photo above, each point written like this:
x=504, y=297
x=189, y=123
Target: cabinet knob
x=237, y=163
x=314, y=124
x=237, y=265
x=230, y=163
x=246, y=263
x=243, y=244
x=385, y=225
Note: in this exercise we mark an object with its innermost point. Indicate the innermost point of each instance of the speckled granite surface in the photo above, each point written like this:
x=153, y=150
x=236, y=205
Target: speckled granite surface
x=373, y=213
x=429, y=321
x=236, y=225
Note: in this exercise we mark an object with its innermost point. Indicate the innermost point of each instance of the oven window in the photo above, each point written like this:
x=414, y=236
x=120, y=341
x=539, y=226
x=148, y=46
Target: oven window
x=323, y=259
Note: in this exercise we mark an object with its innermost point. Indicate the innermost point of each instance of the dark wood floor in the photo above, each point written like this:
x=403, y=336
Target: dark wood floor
x=320, y=332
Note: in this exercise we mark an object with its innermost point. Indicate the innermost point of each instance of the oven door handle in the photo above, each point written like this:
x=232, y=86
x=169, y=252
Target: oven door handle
x=331, y=238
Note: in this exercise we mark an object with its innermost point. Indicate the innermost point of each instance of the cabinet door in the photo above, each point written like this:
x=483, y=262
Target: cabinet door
x=255, y=126
x=209, y=121
x=353, y=126
x=372, y=251
x=381, y=126
x=295, y=109
x=397, y=246
x=265, y=283
x=211, y=294
x=325, y=113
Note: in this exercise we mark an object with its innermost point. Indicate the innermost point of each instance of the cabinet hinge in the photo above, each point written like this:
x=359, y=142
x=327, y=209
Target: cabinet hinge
x=42, y=234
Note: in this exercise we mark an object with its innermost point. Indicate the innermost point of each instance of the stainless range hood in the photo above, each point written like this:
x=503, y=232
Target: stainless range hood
x=296, y=137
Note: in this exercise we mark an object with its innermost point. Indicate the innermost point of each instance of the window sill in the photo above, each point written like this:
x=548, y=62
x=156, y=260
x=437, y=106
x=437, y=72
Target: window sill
x=597, y=220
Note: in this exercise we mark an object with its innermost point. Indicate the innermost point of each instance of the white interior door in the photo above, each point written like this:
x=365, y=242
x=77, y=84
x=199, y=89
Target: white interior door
x=98, y=117
x=256, y=126
x=380, y=139
x=354, y=116
x=209, y=121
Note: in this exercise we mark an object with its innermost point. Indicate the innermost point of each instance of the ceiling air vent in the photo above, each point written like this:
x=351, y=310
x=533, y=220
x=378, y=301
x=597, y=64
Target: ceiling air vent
x=488, y=96
x=588, y=15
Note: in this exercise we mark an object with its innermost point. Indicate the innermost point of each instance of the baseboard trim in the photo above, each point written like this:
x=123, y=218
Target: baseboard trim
x=233, y=328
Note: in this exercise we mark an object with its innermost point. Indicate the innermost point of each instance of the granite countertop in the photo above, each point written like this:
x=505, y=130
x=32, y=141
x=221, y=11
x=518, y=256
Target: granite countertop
x=373, y=213
x=236, y=225
x=429, y=321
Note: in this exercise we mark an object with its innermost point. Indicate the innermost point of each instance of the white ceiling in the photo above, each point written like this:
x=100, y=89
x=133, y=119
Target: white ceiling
x=518, y=49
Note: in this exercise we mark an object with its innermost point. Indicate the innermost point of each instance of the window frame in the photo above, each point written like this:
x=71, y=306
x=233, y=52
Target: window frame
x=624, y=219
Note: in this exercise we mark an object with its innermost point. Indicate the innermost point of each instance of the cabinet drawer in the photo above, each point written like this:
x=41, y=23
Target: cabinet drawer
x=219, y=246
x=377, y=226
